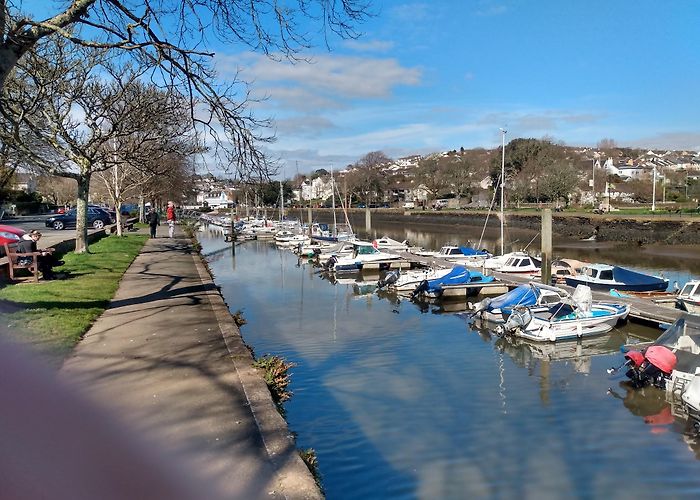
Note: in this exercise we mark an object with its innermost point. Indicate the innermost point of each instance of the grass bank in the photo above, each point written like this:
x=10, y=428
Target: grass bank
x=53, y=315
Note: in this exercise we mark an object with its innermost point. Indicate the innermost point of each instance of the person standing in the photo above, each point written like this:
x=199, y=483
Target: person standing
x=153, y=221
x=170, y=215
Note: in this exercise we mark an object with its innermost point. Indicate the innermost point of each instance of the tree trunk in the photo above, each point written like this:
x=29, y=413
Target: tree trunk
x=81, y=241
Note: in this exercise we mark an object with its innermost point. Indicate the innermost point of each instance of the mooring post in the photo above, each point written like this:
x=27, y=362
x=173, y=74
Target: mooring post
x=368, y=219
x=547, y=246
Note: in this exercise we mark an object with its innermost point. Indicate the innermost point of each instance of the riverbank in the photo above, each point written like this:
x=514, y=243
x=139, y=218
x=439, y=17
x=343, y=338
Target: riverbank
x=167, y=359
x=669, y=229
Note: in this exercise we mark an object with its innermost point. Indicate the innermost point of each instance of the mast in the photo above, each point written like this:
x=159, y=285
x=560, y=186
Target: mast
x=335, y=223
x=281, y=202
x=503, y=181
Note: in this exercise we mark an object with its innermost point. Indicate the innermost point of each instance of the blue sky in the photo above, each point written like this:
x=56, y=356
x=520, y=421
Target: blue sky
x=432, y=76
x=440, y=75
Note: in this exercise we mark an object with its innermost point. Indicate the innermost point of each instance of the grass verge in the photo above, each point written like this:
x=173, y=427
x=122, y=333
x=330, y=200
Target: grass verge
x=53, y=315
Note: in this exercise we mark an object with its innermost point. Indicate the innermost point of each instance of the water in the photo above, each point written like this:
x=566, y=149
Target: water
x=399, y=402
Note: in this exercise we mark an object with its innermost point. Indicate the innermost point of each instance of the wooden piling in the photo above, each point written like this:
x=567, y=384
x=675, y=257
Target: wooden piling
x=547, y=246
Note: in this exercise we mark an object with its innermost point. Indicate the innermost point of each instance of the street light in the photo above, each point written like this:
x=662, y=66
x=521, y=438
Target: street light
x=653, y=192
x=503, y=178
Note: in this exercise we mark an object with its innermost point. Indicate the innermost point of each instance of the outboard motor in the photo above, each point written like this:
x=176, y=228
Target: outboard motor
x=331, y=262
x=654, y=368
x=519, y=318
x=421, y=288
x=389, y=278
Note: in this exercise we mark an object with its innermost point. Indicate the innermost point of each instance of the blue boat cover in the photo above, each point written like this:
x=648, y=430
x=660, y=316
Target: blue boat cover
x=459, y=275
x=629, y=277
x=472, y=251
x=524, y=295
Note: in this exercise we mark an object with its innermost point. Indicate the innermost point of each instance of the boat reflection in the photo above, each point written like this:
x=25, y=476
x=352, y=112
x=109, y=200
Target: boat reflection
x=580, y=352
x=661, y=411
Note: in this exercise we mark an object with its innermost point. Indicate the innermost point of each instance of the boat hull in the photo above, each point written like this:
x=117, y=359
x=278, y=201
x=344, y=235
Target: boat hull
x=594, y=285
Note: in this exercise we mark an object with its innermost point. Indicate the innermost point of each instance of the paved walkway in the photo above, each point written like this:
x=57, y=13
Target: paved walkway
x=168, y=359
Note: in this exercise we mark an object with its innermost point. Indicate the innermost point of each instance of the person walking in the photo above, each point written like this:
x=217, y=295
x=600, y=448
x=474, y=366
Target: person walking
x=153, y=221
x=170, y=215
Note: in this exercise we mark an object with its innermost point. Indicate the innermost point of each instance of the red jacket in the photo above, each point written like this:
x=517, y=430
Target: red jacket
x=171, y=213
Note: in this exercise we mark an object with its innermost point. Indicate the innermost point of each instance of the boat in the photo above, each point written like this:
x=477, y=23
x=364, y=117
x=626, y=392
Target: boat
x=363, y=254
x=386, y=243
x=537, y=296
x=338, y=249
x=606, y=277
x=459, y=282
x=573, y=318
x=457, y=255
x=406, y=281
x=520, y=263
x=688, y=298
x=670, y=363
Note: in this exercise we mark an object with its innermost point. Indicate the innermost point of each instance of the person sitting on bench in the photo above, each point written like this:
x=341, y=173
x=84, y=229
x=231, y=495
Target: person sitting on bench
x=46, y=261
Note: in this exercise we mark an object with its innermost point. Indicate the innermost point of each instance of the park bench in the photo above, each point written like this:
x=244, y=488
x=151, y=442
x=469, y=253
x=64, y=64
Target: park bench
x=17, y=260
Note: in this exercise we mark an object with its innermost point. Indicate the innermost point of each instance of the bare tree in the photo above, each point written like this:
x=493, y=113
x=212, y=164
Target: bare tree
x=79, y=105
x=171, y=38
x=59, y=190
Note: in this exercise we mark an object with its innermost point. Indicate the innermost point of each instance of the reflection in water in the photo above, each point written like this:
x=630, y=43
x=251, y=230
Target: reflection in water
x=414, y=405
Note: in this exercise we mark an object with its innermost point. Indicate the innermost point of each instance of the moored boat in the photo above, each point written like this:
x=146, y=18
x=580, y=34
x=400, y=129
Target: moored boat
x=573, y=318
x=688, y=298
x=537, y=296
x=606, y=277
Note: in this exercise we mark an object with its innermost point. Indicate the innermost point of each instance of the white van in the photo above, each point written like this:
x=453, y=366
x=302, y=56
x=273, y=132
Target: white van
x=409, y=205
x=438, y=204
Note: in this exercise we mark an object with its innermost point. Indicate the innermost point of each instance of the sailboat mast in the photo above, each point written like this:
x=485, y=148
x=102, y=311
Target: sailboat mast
x=503, y=182
x=335, y=223
x=281, y=202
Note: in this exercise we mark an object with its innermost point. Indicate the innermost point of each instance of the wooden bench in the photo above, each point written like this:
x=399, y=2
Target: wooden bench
x=20, y=260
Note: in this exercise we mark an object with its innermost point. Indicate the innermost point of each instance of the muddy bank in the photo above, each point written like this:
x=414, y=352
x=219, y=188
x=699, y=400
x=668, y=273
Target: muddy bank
x=667, y=230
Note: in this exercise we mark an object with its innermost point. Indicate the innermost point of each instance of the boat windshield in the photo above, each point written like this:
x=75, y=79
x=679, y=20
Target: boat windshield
x=688, y=289
x=606, y=275
x=683, y=335
x=366, y=250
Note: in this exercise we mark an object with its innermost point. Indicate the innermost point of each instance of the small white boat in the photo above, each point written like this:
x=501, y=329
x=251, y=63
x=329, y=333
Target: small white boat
x=573, y=318
x=338, y=249
x=457, y=255
x=407, y=281
x=386, y=243
x=536, y=296
x=520, y=263
x=688, y=298
x=363, y=254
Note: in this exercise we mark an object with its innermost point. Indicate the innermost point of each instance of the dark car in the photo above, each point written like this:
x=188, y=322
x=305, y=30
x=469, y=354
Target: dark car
x=96, y=217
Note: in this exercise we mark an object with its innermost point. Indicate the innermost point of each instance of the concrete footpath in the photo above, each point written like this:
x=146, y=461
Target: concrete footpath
x=167, y=358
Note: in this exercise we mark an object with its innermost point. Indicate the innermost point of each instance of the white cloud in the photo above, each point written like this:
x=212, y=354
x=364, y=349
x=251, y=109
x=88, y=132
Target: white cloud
x=369, y=45
x=669, y=140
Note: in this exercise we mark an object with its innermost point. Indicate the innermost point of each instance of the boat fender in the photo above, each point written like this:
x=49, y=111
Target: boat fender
x=374, y=243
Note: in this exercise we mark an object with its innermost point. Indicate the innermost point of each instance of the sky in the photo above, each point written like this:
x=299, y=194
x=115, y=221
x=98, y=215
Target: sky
x=430, y=76
x=440, y=75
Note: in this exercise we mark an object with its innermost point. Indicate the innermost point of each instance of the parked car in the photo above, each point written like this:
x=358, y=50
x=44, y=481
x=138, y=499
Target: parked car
x=96, y=217
x=409, y=205
x=10, y=234
x=440, y=204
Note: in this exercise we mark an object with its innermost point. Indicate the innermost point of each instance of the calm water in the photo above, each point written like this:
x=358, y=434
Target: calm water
x=399, y=402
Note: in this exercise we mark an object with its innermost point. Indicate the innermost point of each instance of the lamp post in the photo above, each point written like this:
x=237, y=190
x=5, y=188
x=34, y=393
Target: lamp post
x=653, y=191
x=593, y=184
x=503, y=180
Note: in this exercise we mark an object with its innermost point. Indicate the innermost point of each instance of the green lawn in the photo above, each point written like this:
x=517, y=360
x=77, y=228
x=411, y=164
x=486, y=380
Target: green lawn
x=53, y=315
